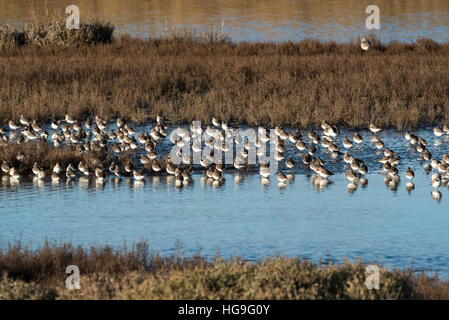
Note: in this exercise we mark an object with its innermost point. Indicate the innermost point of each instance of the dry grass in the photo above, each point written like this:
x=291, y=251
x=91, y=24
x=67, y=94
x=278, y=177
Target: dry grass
x=298, y=84
x=55, y=33
x=137, y=273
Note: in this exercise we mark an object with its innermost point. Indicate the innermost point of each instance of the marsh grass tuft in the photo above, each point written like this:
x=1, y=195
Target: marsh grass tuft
x=186, y=77
x=55, y=32
x=139, y=273
x=47, y=156
x=10, y=37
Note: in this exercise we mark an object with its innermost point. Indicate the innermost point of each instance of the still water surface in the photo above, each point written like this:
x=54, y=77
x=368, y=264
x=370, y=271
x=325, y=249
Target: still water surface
x=252, y=20
x=393, y=227
x=396, y=228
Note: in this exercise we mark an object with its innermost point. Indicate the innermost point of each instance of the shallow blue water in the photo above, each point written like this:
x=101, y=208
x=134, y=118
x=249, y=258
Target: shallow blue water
x=393, y=227
x=253, y=20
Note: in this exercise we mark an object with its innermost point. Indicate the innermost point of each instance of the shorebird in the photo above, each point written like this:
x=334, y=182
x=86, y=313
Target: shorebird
x=365, y=44
x=446, y=158
x=306, y=159
x=380, y=145
x=41, y=174
x=324, y=173
x=170, y=168
x=438, y=132
x=312, y=150
x=436, y=195
x=374, y=129
x=282, y=177
x=436, y=182
x=290, y=163
x=129, y=167
x=24, y=121
x=283, y=180
x=69, y=119
x=355, y=164
x=388, y=152
x=57, y=168
x=69, y=172
x=138, y=175
x=420, y=148
x=357, y=138
x=422, y=141
x=351, y=175
x=84, y=169
x=5, y=167
x=325, y=125
x=14, y=173
x=446, y=129
x=363, y=169
x=279, y=156
x=352, y=186
x=35, y=168
x=427, y=155
x=442, y=167
x=264, y=171
x=156, y=166
x=20, y=156
x=30, y=135
x=116, y=171
x=35, y=126
x=313, y=135
x=100, y=174
x=393, y=171
x=409, y=174
x=407, y=136
x=434, y=163
x=215, y=122
x=347, y=143
x=217, y=175
x=12, y=125
x=145, y=159
x=333, y=147
x=301, y=146
x=295, y=136
x=331, y=131
x=347, y=158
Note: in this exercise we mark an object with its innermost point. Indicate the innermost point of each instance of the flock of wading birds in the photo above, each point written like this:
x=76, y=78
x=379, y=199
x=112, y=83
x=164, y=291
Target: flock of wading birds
x=93, y=135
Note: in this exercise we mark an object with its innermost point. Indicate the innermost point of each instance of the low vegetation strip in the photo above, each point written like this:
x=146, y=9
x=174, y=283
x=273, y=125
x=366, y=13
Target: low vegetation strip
x=56, y=33
x=185, y=78
x=138, y=273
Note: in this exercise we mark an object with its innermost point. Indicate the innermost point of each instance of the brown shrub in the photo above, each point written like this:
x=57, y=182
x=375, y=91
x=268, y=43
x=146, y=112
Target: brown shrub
x=138, y=273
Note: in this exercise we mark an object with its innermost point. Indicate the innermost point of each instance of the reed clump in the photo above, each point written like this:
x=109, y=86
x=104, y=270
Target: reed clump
x=139, y=273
